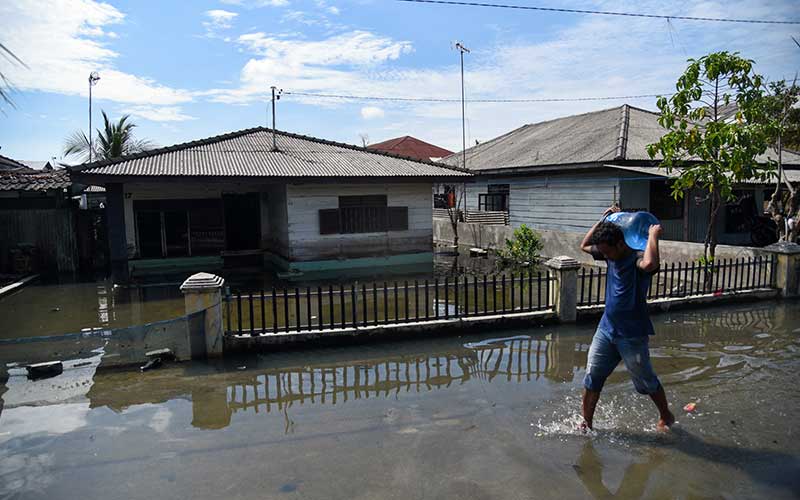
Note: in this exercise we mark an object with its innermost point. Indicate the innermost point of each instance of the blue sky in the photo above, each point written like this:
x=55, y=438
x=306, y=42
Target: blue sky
x=186, y=70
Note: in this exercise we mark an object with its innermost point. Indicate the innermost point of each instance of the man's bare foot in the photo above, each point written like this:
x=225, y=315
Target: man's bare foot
x=664, y=424
x=584, y=427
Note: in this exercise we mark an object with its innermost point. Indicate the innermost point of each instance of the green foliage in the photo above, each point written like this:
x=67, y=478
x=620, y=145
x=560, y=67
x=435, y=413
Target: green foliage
x=113, y=141
x=524, y=248
x=710, y=147
x=705, y=261
x=782, y=117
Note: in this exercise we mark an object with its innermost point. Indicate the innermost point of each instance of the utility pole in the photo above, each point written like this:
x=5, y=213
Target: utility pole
x=461, y=49
x=93, y=79
x=274, y=98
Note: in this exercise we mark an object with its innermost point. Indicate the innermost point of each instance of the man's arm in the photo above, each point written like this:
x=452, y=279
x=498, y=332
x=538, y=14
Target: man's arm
x=651, y=260
x=586, y=244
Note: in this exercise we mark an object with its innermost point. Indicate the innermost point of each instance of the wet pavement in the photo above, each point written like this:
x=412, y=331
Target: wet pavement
x=484, y=416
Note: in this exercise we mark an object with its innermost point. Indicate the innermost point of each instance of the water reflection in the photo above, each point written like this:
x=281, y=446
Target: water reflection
x=217, y=397
x=424, y=414
x=590, y=468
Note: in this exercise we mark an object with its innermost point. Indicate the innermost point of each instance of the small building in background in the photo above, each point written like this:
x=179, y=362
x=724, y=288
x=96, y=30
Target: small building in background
x=411, y=147
x=306, y=205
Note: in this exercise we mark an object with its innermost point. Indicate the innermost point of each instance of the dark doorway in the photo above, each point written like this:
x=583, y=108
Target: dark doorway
x=148, y=226
x=176, y=233
x=242, y=221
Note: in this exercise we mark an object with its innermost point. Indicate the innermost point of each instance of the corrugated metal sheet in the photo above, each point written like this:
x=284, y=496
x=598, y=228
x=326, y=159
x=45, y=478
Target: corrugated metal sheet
x=51, y=231
x=792, y=175
x=620, y=133
x=249, y=153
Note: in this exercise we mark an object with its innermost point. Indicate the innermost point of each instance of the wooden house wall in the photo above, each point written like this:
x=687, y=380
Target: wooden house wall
x=52, y=231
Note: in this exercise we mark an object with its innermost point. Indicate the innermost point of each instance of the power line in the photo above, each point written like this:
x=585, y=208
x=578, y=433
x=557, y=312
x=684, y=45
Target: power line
x=599, y=12
x=435, y=99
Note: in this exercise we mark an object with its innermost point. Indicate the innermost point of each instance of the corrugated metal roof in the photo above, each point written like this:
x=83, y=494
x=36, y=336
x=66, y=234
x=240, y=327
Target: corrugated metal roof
x=792, y=174
x=7, y=164
x=620, y=133
x=248, y=153
x=34, y=180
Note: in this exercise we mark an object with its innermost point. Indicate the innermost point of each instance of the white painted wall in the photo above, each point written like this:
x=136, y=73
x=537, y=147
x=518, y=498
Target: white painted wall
x=305, y=200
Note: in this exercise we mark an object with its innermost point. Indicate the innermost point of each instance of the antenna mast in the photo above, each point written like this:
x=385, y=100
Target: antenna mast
x=461, y=49
x=275, y=97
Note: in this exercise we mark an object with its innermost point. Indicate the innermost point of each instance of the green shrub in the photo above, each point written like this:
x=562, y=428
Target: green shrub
x=523, y=249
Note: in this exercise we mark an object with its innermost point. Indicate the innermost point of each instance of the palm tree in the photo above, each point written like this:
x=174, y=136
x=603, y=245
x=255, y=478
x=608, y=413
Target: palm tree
x=6, y=88
x=115, y=140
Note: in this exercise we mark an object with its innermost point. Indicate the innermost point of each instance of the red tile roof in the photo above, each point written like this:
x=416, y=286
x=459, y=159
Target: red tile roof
x=410, y=147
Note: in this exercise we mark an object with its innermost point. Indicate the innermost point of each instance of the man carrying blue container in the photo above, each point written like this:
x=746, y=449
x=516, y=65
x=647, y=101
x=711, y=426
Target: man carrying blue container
x=628, y=242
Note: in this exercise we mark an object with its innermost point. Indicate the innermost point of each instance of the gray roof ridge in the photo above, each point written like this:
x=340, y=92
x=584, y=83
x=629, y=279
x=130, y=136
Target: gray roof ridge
x=622, y=140
x=242, y=132
x=648, y=111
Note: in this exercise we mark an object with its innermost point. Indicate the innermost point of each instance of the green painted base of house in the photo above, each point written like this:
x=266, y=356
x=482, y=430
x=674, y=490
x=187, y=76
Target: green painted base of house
x=363, y=262
x=144, y=267
x=355, y=267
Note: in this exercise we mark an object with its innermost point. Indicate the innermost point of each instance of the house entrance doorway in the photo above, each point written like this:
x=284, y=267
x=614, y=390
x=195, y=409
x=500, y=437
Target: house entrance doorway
x=242, y=221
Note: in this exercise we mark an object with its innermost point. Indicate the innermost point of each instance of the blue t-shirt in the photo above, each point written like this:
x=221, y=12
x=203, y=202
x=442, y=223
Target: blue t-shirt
x=626, y=312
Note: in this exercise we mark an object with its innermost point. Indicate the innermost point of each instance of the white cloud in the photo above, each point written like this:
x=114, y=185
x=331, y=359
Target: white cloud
x=371, y=112
x=62, y=42
x=219, y=19
x=294, y=63
x=159, y=113
x=594, y=56
x=257, y=3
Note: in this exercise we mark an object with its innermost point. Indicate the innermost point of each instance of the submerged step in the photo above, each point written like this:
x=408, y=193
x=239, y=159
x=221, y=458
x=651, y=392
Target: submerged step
x=45, y=370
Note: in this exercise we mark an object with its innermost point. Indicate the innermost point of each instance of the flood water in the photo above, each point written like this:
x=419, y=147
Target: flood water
x=43, y=309
x=481, y=416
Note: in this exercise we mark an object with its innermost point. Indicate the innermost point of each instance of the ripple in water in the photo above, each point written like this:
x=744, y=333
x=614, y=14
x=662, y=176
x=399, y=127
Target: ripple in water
x=618, y=416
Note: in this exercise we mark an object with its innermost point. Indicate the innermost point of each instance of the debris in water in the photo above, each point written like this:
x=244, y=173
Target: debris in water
x=153, y=363
x=45, y=370
x=241, y=368
x=165, y=354
x=690, y=407
x=55, y=309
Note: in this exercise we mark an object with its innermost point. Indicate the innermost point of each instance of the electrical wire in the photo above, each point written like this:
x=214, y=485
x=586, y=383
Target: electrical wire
x=435, y=99
x=599, y=12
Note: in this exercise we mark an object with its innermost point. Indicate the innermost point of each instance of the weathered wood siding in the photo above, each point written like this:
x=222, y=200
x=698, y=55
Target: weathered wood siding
x=305, y=201
x=276, y=237
x=563, y=203
x=51, y=231
x=191, y=190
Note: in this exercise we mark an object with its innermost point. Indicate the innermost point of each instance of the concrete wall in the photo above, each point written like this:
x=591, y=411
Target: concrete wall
x=567, y=243
x=307, y=244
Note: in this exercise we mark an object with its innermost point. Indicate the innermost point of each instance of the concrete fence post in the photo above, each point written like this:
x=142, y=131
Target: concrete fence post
x=787, y=270
x=203, y=292
x=564, y=292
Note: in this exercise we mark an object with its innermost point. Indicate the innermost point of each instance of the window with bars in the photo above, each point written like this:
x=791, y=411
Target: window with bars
x=363, y=214
x=496, y=199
